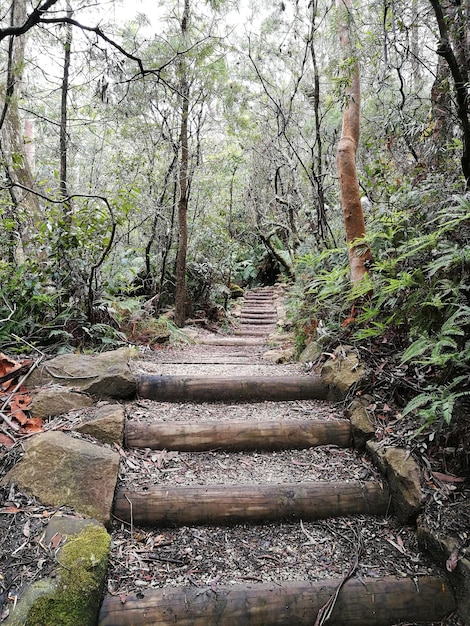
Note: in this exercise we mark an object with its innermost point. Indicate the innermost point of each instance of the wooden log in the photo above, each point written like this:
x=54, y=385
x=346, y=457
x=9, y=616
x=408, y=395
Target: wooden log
x=258, y=310
x=258, y=320
x=229, y=504
x=237, y=388
x=365, y=602
x=224, y=340
x=242, y=435
x=250, y=331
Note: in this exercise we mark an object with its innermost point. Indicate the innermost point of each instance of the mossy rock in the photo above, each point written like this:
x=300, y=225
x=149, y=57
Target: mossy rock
x=81, y=574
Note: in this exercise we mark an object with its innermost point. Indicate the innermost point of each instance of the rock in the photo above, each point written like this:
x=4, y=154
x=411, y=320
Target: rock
x=363, y=428
x=107, y=425
x=343, y=371
x=236, y=291
x=403, y=477
x=61, y=470
x=280, y=355
x=311, y=352
x=55, y=401
x=104, y=375
x=73, y=596
x=440, y=549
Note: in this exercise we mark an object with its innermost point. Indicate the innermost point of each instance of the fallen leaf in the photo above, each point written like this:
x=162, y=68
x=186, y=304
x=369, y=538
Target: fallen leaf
x=27, y=529
x=6, y=441
x=453, y=560
x=56, y=539
x=447, y=478
x=10, y=509
x=33, y=425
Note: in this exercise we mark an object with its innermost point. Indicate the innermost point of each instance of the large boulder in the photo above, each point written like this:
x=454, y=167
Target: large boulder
x=62, y=470
x=105, y=375
x=107, y=424
x=363, y=428
x=343, y=371
x=53, y=401
x=403, y=477
x=71, y=597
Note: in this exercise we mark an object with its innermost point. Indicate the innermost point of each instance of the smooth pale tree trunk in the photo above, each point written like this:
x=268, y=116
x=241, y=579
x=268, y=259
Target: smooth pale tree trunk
x=354, y=223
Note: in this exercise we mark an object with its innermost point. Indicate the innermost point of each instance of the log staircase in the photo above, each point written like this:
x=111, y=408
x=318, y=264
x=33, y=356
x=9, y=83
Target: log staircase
x=348, y=600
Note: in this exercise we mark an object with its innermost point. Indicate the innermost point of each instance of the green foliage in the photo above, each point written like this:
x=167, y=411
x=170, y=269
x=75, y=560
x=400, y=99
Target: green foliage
x=418, y=292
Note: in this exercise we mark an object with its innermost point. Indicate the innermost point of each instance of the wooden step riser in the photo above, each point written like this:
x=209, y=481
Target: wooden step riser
x=234, y=389
x=250, y=332
x=266, y=321
x=231, y=504
x=262, y=435
x=365, y=602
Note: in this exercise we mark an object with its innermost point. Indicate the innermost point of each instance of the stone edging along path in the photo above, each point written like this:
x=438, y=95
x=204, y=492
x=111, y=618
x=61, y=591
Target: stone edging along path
x=59, y=460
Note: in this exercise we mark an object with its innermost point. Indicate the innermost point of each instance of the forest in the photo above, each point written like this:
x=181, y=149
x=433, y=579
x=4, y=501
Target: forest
x=153, y=165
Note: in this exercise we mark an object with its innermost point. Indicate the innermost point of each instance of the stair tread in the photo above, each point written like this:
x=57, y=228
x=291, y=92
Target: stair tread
x=143, y=468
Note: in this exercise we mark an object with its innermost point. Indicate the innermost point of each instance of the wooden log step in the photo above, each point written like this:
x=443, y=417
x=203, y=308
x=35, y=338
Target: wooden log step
x=224, y=340
x=241, y=435
x=364, y=602
x=259, y=324
x=250, y=332
x=235, y=388
x=258, y=319
x=230, y=504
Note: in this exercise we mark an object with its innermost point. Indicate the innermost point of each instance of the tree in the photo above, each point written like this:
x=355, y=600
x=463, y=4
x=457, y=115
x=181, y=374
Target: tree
x=453, y=47
x=353, y=215
x=25, y=206
x=184, y=90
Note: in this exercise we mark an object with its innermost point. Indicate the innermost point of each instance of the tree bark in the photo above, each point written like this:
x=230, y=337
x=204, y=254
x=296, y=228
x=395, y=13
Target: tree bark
x=180, y=296
x=237, y=389
x=359, y=254
x=231, y=504
x=458, y=73
x=15, y=161
x=364, y=602
x=63, y=141
x=261, y=435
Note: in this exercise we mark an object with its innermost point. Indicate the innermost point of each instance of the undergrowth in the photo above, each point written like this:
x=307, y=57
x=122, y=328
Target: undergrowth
x=413, y=304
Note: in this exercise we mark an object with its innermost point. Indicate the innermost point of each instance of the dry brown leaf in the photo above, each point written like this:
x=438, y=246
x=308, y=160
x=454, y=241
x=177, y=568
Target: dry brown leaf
x=447, y=478
x=453, y=560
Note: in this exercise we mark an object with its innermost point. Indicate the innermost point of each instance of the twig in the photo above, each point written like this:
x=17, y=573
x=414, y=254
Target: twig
x=326, y=610
x=131, y=516
x=12, y=310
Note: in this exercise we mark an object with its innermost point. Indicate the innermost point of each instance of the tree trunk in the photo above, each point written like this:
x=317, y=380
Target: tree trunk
x=359, y=254
x=63, y=143
x=258, y=435
x=458, y=73
x=180, y=296
x=26, y=205
x=232, y=504
x=361, y=602
x=237, y=389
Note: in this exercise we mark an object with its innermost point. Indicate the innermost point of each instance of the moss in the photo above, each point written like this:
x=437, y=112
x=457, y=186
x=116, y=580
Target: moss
x=81, y=574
